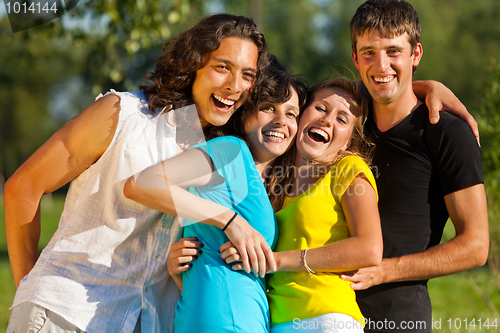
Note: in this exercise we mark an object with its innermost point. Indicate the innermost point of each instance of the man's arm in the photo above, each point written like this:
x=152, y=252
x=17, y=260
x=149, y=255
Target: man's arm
x=71, y=150
x=468, y=249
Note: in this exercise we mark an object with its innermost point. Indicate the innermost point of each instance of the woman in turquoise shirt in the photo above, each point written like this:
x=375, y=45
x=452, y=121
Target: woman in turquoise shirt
x=226, y=180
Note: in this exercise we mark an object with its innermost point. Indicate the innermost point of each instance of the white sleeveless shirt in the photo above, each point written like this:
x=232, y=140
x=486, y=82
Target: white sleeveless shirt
x=107, y=260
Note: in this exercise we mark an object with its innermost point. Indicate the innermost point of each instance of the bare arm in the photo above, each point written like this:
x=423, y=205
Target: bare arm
x=362, y=249
x=468, y=249
x=159, y=187
x=438, y=98
x=71, y=150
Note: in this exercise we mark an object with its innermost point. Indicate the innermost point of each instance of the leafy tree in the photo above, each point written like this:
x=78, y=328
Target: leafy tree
x=489, y=122
x=50, y=71
x=29, y=66
x=460, y=41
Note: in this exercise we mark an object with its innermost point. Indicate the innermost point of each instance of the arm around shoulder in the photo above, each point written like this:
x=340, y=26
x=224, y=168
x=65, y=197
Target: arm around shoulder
x=362, y=249
x=438, y=98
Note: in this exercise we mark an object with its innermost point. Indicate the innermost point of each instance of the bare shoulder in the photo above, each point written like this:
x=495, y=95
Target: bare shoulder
x=73, y=148
x=100, y=118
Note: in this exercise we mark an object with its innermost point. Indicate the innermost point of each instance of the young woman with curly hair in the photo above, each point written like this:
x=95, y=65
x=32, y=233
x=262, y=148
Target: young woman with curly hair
x=105, y=268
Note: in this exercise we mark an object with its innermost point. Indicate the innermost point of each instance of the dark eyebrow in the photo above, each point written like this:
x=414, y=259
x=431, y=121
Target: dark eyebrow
x=397, y=47
x=364, y=48
x=249, y=69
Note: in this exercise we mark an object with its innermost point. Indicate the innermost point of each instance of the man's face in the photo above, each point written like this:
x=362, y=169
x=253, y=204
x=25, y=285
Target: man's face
x=222, y=85
x=386, y=65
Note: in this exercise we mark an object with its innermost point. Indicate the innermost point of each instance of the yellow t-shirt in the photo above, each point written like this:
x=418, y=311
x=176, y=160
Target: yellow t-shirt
x=311, y=220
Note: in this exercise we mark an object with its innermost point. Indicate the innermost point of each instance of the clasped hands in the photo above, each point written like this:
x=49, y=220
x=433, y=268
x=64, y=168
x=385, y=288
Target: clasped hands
x=187, y=250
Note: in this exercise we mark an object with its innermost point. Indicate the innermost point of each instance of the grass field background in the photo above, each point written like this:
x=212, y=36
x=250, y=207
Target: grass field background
x=455, y=302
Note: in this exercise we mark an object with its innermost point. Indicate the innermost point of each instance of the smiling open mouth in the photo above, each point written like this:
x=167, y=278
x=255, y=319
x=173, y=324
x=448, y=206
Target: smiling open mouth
x=222, y=103
x=274, y=135
x=384, y=79
x=318, y=135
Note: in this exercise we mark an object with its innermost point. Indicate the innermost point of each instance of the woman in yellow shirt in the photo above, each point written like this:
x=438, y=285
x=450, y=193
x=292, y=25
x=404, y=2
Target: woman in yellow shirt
x=328, y=222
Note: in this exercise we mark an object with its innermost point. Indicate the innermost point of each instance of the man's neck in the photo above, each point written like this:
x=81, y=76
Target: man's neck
x=387, y=116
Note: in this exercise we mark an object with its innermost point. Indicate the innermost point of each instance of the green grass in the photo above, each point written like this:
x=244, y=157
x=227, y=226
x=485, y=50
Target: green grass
x=453, y=298
x=456, y=302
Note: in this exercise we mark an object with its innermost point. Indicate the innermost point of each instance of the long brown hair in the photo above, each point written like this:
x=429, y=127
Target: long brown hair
x=175, y=71
x=360, y=145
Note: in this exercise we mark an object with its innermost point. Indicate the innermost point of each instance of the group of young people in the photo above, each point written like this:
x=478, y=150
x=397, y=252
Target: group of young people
x=283, y=226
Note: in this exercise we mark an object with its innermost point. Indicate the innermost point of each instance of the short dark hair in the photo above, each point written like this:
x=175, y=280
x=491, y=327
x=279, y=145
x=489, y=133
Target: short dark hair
x=391, y=18
x=175, y=71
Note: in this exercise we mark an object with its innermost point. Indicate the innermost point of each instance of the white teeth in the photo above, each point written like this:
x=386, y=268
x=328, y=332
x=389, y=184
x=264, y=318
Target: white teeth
x=275, y=134
x=383, y=79
x=223, y=100
x=320, y=132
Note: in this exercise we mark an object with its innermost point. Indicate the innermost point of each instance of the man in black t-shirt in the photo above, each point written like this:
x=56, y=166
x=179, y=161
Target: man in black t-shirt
x=425, y=173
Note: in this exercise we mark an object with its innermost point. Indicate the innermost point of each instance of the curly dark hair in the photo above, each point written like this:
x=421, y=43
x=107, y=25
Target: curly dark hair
x=175, y=71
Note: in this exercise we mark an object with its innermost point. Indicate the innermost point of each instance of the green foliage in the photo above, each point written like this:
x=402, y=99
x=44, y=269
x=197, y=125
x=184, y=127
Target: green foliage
x=50, y=72
x=460, y=39
x=115, y=33
x=311, y=37
x=29, y=67
x=52, y=206
x=489, y=123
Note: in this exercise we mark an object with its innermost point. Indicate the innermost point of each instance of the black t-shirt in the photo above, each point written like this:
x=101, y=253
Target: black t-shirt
x=416, y=164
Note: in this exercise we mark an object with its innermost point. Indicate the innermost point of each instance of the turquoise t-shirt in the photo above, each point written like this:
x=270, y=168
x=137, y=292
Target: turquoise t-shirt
x=215, y=298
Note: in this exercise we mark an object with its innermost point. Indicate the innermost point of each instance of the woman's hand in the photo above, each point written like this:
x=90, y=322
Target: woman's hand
x=253, y=249
x=439, y=98
x=231, y=255
x=182, y=253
